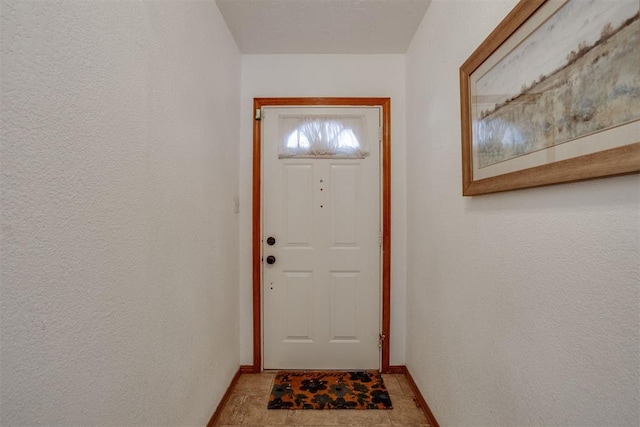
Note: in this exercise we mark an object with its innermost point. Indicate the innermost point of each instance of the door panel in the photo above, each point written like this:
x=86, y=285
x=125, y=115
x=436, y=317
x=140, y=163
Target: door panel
x=297, y=321
x=344, y=299
x=344, y=211
x=322, y=294
x=298, y=204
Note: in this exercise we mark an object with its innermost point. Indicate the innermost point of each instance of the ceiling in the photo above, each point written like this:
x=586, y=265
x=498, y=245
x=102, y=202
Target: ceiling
x=323, y=26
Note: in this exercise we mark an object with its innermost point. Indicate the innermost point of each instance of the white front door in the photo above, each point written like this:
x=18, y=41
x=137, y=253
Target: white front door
x=322, y=226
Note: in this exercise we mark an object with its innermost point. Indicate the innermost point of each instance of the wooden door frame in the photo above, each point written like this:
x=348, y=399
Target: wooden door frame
x=385, y=105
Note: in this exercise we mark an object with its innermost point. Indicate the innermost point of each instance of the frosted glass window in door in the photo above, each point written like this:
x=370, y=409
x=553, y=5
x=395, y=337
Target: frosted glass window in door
x=335, y=137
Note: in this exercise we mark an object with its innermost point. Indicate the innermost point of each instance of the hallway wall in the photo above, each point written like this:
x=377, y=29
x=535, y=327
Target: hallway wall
x=119, y=243
x=522, y=306
x=326, y=76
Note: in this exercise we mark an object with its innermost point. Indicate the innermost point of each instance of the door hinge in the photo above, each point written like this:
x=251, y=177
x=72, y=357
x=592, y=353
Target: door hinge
x=380, y=239
x=258, y=113
x=380, y=134
x=381, y=338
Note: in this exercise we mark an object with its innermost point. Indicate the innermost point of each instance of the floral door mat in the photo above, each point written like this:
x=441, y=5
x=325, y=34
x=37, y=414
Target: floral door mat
x=329, y=390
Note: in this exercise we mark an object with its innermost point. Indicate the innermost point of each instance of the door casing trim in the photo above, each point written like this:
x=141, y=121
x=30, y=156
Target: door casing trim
x=385, y=105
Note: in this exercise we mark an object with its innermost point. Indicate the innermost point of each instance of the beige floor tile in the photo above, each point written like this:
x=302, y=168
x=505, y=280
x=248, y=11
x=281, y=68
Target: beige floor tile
x=369, y=425
x=250, y=410
x=306, y=417
x=404, y=385
x=366, y=417
x=405, y=412
x=316, y=425
x=247, y=407
x=306, y=425
x=254, y=384
x=392, y=384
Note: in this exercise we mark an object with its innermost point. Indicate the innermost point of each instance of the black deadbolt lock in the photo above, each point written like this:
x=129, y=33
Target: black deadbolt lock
x=271, y=241
x=271, y=259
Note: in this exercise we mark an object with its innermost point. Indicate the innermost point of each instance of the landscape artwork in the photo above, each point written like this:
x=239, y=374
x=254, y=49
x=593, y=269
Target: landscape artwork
x=575, y=73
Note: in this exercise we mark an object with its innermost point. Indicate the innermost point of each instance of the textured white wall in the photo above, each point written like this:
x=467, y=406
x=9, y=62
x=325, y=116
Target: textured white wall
x=522, y=306
x=326, y=75
x=119, y=243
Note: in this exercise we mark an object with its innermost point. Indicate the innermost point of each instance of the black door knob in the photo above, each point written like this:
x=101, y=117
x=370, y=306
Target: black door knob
x=271, y=241
x=271, y=259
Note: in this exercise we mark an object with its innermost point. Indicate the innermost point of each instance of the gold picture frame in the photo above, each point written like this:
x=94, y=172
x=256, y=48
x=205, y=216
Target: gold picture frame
x=545, y=101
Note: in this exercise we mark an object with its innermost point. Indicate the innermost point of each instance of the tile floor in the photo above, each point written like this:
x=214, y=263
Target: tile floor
x=247, y=406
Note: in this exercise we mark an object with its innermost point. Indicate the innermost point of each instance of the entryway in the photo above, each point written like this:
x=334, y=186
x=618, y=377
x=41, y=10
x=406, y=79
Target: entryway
x=247, y=406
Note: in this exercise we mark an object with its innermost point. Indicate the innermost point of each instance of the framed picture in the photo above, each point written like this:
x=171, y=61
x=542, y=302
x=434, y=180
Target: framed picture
x=552, y=95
